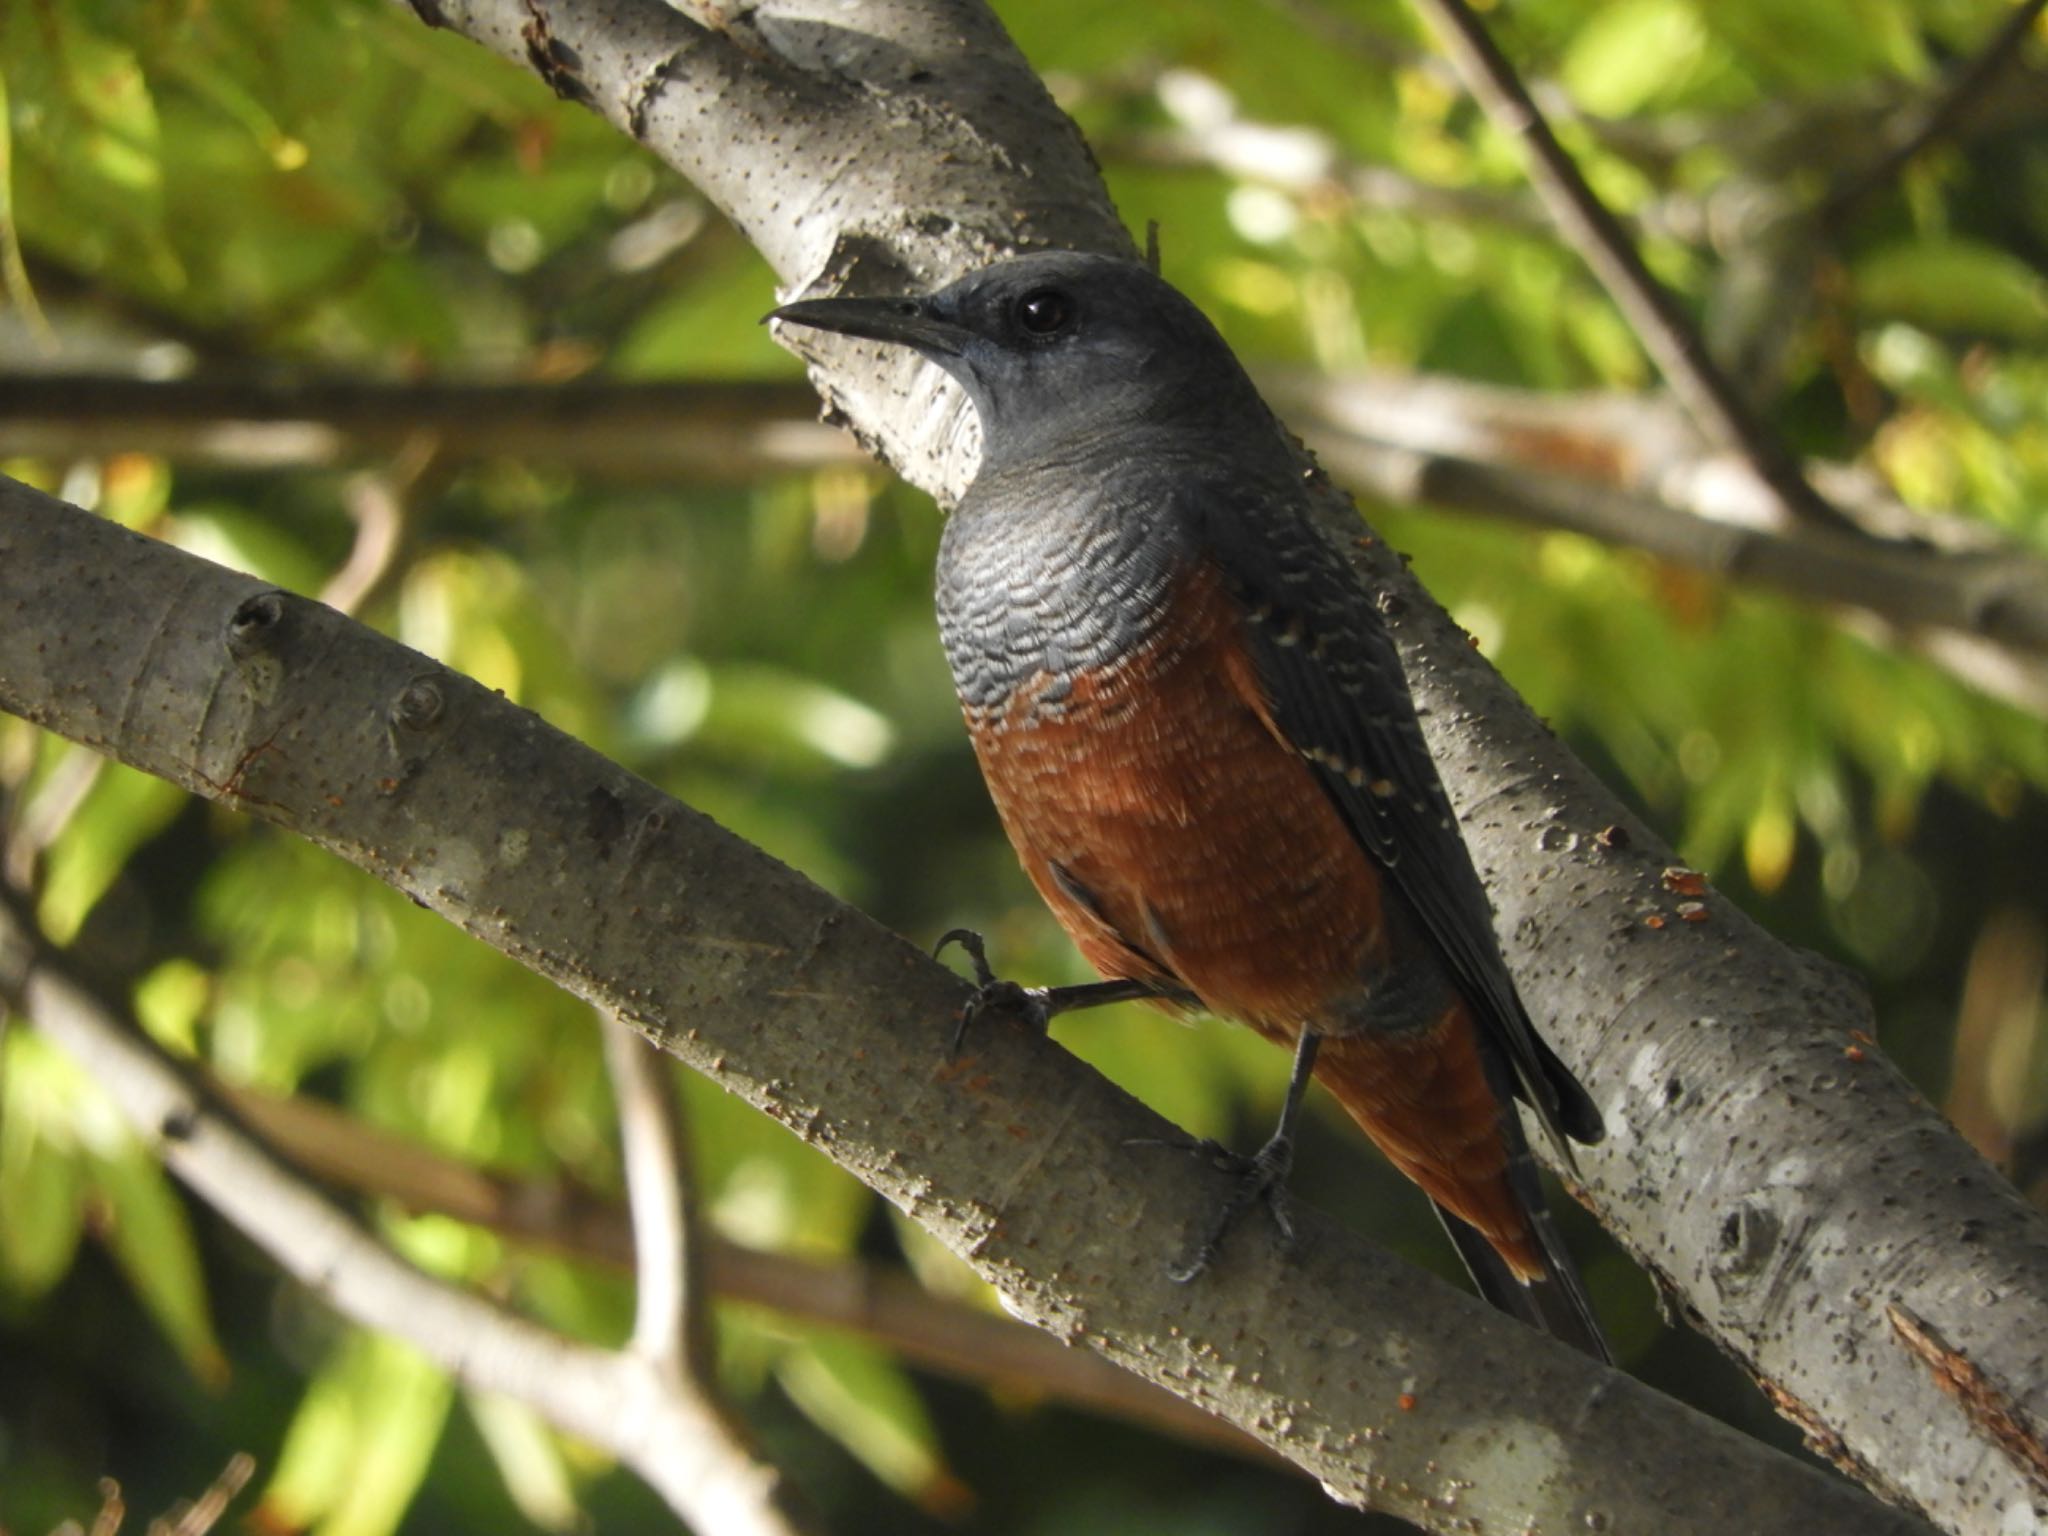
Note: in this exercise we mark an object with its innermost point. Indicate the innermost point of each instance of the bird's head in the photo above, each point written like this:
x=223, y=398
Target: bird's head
x=1058, y=346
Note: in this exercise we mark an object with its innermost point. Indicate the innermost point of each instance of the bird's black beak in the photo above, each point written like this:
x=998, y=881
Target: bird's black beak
x=907, y=322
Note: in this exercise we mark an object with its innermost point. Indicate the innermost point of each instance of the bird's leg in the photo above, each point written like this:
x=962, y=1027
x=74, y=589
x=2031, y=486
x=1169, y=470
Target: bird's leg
x=1036, y=1006
x=1263, y=1175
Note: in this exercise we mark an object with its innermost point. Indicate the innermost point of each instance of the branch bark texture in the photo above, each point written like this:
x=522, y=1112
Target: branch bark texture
x=1392, y=1389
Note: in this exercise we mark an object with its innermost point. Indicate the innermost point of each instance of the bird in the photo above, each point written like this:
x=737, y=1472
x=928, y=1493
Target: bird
x=1199, y=738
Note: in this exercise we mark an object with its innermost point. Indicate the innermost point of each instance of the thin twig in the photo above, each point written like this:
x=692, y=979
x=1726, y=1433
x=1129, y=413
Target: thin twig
x=615, y=1400
x=38, y=820
x=206, y=1511
x=707, y=430
x=1707, y=394
x=950, y=1338
x=379, y=500
x=113, y=1510
x=669, y=1321
x=1937, y=116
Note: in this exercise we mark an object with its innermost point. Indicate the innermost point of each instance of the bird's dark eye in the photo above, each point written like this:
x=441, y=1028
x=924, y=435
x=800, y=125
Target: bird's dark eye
x=1044, y=313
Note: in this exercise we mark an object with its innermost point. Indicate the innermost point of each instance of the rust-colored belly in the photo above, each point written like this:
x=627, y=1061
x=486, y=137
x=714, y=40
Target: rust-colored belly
x=1180, y=840
x=1195, y=845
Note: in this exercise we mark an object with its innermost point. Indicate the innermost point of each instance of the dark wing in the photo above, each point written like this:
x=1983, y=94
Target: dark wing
x=1337, y=693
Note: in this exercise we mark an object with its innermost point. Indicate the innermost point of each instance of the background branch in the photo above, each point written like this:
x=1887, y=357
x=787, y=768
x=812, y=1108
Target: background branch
x=952, y=1338
x=670, y=1326
x=1911, y=131
x=1681, y=355
x=617, y=1400
x=1628, y=470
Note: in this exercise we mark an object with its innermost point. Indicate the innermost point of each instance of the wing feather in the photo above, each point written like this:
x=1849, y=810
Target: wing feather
x=1334, y=692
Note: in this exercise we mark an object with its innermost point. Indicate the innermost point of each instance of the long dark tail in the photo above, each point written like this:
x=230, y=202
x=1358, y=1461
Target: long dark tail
x=1557, y=1303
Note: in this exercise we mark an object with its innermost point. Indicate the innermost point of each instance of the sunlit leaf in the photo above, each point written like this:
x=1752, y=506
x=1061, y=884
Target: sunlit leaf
x=862, y=1398
x=1955, y=285
x=360, y=1443
x=1629, y=54
x=123, y=810
x=170, y=1001
x=14, y=283
x=149, y=1234
x=42, y=1187
x=529, y=1459
x=760, y=710
x=242, y=541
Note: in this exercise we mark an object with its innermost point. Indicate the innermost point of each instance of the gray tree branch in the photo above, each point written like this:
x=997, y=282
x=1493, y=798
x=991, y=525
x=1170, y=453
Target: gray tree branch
x=1392, y=1389
x=1623, y=469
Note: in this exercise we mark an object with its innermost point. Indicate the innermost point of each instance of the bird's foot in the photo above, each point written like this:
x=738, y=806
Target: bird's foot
x=1031, y=1005
x=1038, y=1006
x=1262, y=1177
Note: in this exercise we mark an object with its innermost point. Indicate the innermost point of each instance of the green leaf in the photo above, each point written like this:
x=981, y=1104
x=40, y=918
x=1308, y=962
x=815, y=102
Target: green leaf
x=1815, y=46
x=104, y=85
x=152, y=1240
x=763, y=1186
x=711, y=328
x=1628, y=55
x=14, y=283
x=757, y=710
x=171, y=1000
x=63, y=1143
x=246, y=541
x=861, y=1397
x=528, y=1457
x=1955, y=285
x=42, y=1189
x=361, y=1442
x=123, y=810
x=88, y=167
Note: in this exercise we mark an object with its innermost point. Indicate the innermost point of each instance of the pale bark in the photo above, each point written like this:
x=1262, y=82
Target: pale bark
x=633, y=1406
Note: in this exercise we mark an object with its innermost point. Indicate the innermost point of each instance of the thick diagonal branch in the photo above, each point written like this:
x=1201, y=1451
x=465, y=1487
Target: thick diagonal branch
x=1387, y=1386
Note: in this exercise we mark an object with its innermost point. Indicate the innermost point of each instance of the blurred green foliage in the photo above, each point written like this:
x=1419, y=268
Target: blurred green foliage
x=333, y=187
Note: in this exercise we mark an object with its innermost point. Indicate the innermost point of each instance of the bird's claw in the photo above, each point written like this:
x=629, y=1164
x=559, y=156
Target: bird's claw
x=1260, y=1177
x=991, y=992
x=976, y=947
